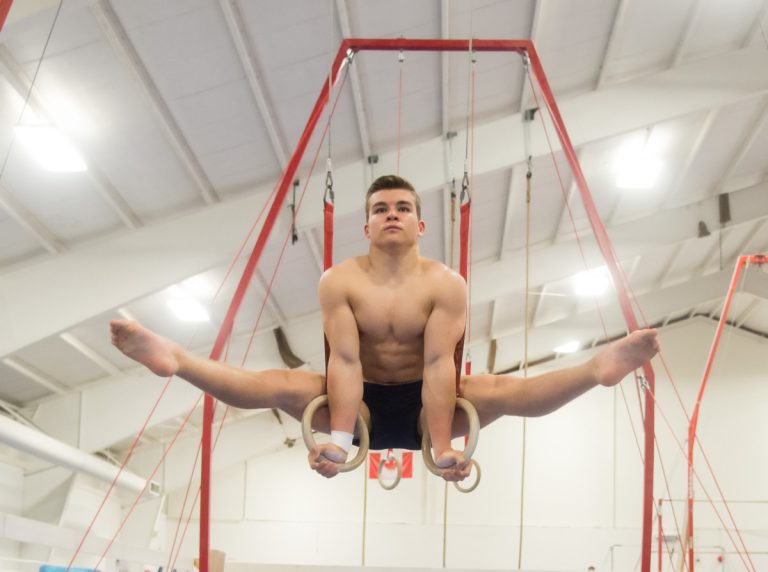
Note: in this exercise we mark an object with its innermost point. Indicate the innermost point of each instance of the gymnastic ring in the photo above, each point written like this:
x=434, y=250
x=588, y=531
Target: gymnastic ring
x=309, y=439
x=469, y=449
x=473, y=486
x=394, y=483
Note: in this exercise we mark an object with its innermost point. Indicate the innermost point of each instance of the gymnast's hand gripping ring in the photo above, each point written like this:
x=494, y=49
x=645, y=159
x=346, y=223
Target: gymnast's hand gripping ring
x=469, y=449
x=473, y=486
x=309, y=439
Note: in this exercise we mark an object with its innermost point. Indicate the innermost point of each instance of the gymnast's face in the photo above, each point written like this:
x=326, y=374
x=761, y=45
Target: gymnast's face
x=393, y=218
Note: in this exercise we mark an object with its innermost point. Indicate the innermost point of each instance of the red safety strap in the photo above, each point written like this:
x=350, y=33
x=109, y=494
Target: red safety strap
x=465, y=212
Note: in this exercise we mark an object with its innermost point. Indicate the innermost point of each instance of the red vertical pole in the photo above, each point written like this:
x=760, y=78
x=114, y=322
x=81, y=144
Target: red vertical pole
x=226, y=326
x=5, y=7
x=740, y=264
x=626, y=307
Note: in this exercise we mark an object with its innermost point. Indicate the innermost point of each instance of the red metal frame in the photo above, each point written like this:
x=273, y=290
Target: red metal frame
x=693, y=424
x=349, y=47
x=5, y=7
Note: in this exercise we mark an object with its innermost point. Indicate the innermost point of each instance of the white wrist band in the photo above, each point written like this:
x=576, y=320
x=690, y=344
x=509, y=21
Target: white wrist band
x=342, y=439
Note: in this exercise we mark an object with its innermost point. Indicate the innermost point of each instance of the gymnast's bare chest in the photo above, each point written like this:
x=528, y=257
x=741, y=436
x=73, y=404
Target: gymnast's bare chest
x=394, y=313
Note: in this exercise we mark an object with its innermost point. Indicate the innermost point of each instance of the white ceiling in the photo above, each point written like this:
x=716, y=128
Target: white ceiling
x=186, y=112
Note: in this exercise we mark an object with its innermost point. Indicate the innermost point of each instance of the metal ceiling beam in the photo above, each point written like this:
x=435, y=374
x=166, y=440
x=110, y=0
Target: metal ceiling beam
x=357, y=91
x=693, y=152
x=121, y=44
x=757, y=26
x=525, y=90
x=28, y=222
x=314, y=247
x=618, y=21
x=573, y=193
x=90, y=353
x=193, y=242
x=741, y=248
x=246, y=52
x=743, y=148
x=655, y=303
x=36, y=375
x=685, y=37
x=630, y=239
x=669, y=267
x=744, y=315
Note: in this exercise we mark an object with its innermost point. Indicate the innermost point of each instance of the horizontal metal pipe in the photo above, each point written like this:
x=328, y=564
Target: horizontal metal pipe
x=40, y=445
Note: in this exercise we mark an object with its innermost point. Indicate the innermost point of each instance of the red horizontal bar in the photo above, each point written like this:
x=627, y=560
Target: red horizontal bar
x=421, y=44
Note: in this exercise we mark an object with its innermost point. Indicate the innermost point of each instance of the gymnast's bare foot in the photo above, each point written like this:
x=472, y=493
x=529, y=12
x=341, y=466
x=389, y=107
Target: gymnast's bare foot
x=144, y=346
x=623, y=356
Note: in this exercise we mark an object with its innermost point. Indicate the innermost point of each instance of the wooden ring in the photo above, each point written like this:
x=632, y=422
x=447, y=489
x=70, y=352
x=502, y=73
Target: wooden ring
x=309, y=439
x=469, y=449
x=393, y=484
x=473, y=486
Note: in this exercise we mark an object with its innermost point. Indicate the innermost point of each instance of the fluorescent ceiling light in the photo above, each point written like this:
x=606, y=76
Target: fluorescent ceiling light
x=636, y=167
x=567, y=348
x=186, y=308
x=200, y=285
x=591, y=282
x=51, y=149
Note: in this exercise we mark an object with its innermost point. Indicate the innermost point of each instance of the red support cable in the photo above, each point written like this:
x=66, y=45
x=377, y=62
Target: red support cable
x=228, y=323
x=349, y=47
x=740, y=264
x=5, y=8
x=621, y=290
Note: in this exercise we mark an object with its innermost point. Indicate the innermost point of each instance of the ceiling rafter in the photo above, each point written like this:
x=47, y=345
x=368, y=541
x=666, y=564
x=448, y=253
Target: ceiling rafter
x=573, y=189
x=30, y=223
x=619, y=16
x=36, y=375
x=743, y=316
x=126, y=52
x=525, y=90
x=671, y=264
x=693, y=152
x=269, y=301
x=711, y=292
x=757, y=26
x=741, y=248
x=533, y=310
x=685, y=36
x=106, y=190
x=357, y=91
x=249, y=61
x=744, y=146
x=90, y=353
x=505, y=232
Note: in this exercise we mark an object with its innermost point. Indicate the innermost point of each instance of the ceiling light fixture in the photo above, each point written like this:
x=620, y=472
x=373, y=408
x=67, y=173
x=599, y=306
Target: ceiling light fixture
x=568, y=347
x=185, y=307
x=636, y=167
x=591, y=282
x=51, y=149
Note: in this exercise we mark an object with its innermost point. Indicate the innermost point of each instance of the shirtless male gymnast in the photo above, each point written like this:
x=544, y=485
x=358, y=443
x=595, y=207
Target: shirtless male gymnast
x=392, y=319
